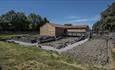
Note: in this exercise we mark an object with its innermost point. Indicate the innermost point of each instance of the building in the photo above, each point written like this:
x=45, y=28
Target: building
x=49, y=29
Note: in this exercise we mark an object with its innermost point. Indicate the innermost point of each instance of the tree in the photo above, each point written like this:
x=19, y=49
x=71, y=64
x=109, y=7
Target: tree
x=107, y=21
x=34, y=20
x=1, y=28
x=14, y=21
x=45, y=20
x=18, y=21
x=8, y=20
x=22, y=23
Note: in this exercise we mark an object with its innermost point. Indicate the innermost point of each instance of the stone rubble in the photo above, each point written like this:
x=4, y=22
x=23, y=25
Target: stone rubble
x=92, y=52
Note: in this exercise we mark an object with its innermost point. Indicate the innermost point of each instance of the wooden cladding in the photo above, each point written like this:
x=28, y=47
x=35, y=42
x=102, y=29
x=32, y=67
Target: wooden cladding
x=47, y=30
x=57, y=30
x=76, y=30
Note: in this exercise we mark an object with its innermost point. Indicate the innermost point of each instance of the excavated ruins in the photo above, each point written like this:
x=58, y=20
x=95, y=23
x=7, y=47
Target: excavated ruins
x=93, y=52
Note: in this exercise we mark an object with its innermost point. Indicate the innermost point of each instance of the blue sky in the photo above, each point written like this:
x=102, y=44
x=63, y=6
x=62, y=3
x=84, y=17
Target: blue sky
x=60, y=11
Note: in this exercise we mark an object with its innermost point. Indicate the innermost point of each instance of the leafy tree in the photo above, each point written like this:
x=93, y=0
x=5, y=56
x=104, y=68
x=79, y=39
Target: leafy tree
x=35, y=20
x=107, y=21
x=13, y=21
x=18, y=21
x=22, y=23
x=45, y=20
x=8, y=20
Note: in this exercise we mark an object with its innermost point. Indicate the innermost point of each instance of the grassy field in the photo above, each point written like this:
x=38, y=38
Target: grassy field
x=7, y=36
x=18, y=57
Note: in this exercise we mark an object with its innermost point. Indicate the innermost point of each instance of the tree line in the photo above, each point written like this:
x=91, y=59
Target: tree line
x=107, y=21
x=18, y=21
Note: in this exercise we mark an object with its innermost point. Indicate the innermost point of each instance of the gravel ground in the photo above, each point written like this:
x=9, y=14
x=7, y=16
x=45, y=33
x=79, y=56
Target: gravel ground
x=58, y=44
x=49, y=47
x=62, y=42
x=26, y=38
x=93, y=52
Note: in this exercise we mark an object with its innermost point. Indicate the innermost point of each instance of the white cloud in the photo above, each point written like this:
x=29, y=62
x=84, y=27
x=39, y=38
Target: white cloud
x=80, y=20
x=84, y=20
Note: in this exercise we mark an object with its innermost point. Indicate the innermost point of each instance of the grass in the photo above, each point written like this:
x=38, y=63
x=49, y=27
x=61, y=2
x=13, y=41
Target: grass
x=7, y=36
x=113, y=54
x=113, y=58
x=19, y=57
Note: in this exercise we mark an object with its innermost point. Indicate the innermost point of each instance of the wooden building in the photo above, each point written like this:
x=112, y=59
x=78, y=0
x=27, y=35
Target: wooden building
x=49, y=29
x=80, y=30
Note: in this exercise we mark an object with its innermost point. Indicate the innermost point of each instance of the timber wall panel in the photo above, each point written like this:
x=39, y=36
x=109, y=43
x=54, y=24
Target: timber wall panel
x=47, y=30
